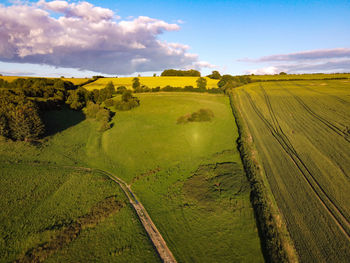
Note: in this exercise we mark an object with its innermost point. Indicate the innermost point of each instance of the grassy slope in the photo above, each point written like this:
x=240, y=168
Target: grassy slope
x=151, y=82
x=199, y=223
x=310, y=138
x=147, y=138
x=196, y=232
x=40, y=194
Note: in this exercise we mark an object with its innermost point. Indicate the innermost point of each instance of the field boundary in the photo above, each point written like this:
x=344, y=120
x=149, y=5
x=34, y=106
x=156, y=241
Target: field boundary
x=276, y=241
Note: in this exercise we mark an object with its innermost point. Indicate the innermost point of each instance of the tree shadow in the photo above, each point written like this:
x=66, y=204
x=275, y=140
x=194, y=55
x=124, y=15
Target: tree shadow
x=59, y=120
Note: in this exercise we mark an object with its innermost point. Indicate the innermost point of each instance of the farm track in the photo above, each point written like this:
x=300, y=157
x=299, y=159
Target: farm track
x=152, y=231
x=335, y=213
x=327, y=123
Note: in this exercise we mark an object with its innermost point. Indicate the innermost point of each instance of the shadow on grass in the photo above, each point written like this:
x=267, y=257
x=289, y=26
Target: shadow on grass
x=59, y=120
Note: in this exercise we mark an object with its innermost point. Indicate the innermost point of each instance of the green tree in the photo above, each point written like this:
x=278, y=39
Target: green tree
x=4, y=126
x=214, y=75
x=127, y=96
x=25, y=122
x=136, y=83
x=121, y=89
x=201, y=83
x=110, y=88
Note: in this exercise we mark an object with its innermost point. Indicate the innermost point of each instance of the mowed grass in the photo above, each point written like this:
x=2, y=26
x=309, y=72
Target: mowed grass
x=75, y=81
x=40, y=202
x=189, y=177
x=301, y=133
x=151, y=82
x=300, y=76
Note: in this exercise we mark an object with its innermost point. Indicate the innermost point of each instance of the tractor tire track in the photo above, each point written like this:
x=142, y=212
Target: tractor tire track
x=335, y=213
x=327, y=123
x=329, y=95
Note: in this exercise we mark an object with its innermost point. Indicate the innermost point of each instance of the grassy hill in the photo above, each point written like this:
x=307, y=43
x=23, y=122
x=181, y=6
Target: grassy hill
x=188, y=176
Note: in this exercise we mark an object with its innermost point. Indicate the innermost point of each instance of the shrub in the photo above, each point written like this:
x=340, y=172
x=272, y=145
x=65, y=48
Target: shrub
x=127, y=102
x=91, y=110
x=105, y=125
x=109, y=102
x=199, y=116
x=121, y=89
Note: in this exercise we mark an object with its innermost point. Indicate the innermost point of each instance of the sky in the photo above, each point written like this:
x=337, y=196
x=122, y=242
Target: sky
x=126, y=38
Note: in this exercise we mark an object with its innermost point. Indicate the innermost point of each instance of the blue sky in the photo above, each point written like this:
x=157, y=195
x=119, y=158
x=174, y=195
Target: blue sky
x=225, y=32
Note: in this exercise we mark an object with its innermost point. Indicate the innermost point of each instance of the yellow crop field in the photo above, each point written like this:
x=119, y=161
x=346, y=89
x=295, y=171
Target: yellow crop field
x=151, y=82
x=302, y=135
x=76, y=81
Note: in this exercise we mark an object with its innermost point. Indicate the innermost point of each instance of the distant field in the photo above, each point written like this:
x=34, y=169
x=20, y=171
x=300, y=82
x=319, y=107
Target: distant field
x=75, y=81
x=151, y=82
x=299, y=76
x=301, y=132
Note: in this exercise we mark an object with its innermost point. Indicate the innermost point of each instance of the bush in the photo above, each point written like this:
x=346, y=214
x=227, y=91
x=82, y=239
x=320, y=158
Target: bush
x=109, y=103
x=105, y=125
x=127, y=102
x=95, y=111
x=121, y=89
x=92, y=110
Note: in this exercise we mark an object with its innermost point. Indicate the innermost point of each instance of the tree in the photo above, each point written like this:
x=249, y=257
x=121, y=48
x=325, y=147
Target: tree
x=283, y=73
x=25, y=122
x=181, y=73
x=154, y=75
x=77, y=98
x=110, y=88
x=4, y=127
x=136, y=83
x=214, y=75
x=127, y=96
x=201, y=83
x=121, y=89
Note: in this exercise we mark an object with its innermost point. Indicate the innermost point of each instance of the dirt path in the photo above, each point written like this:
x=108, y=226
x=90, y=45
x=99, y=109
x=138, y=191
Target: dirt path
x=157, y=239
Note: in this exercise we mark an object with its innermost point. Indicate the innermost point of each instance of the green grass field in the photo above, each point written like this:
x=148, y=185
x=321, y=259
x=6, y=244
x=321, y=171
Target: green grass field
x=151, y=82
x=299, y=77
x=301, y=132
x=40, y=203
x=189, y=178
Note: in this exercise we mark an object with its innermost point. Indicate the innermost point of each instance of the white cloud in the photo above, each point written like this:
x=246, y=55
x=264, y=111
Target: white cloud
x=88, y=37
x=322, y=60
x=263, y=71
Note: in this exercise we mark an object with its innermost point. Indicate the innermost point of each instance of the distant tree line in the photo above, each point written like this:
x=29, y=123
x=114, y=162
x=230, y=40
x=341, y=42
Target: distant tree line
x=181, y=73
x=23, y=100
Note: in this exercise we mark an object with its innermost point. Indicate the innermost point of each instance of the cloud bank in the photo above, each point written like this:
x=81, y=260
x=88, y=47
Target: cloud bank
x=324, y=60
x=87, y=37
